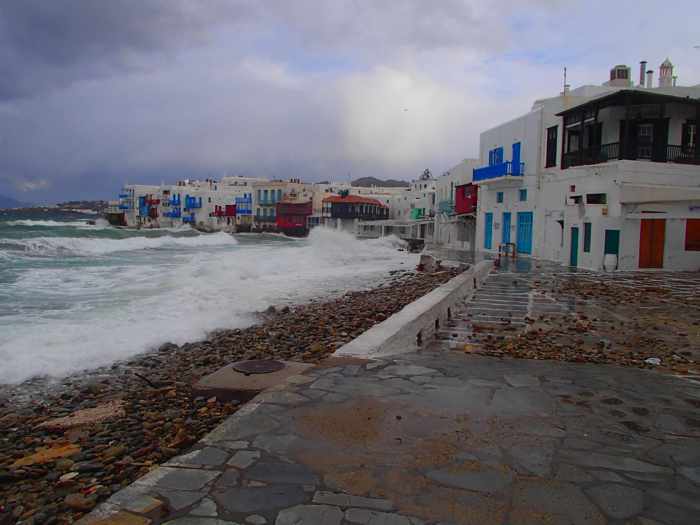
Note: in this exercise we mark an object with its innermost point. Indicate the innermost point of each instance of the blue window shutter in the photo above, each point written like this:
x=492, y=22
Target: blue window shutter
x=499, y=155
x=516, y=158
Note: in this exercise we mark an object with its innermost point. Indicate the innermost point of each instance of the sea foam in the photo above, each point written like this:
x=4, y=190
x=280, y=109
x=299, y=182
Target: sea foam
x=66, y=319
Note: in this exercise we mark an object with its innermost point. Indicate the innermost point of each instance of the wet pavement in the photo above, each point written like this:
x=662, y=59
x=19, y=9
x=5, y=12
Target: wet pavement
x=444, y=436
x=536, y=309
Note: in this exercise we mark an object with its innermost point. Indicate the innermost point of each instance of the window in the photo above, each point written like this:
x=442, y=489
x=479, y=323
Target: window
x=587, y=237
x=561, y=239
x=523, y=195
x=692, y=235
x=499, y=196
x=596, y=198
x=551, y=159
x=689, y=139
x=573, y=141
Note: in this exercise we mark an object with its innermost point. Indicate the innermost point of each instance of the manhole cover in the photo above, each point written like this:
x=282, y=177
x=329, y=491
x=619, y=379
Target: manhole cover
x=258, y=366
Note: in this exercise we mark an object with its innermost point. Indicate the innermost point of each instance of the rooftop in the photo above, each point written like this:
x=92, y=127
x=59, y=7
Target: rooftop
x=352, y=199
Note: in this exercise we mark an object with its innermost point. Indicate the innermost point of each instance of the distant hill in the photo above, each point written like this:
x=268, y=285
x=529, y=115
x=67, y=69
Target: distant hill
x=8, y=202
x=367, y=182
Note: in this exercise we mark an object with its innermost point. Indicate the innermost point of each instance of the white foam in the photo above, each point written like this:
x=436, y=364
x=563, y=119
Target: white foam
x=87, y=246
x=117, y=312
x=100, y=224
x=45, y=224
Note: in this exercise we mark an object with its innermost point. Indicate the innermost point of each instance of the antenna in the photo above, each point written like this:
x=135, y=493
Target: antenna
x=566, y=86
x=564, y=78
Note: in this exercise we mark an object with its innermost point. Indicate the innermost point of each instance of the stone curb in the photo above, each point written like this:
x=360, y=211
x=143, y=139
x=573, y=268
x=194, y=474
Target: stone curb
x=423, y=317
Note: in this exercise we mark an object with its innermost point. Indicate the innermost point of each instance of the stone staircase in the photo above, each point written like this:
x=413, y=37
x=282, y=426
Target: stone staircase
x=500, y=307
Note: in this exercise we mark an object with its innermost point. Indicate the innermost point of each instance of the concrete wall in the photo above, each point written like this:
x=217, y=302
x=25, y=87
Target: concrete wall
x=399, y=333
x=488, y=202
x=526, y=130
x=677, y=185
x=457, y=175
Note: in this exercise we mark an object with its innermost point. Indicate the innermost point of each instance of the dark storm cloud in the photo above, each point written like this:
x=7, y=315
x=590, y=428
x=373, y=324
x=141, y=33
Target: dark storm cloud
x=46, y=44
x=94, y=93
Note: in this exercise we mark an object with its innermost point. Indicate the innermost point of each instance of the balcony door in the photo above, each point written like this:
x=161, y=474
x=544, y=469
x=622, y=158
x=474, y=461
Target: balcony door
x=645, y=141
x=648, y=139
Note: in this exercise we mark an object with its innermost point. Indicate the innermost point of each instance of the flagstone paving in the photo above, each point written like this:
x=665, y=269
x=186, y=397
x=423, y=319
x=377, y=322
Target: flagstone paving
x=444, y=437
x=441, y=437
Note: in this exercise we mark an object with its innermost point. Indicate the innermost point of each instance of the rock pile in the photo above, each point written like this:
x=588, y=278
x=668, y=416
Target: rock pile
x=69, y=448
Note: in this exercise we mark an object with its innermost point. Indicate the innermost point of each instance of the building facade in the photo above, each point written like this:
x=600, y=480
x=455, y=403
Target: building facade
x=600, y=177
x=455, y=213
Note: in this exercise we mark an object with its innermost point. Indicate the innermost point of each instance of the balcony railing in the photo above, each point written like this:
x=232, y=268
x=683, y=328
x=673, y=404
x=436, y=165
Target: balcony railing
x=613, y=151
x=682, y=155
x=192, y=203
x=502, y=169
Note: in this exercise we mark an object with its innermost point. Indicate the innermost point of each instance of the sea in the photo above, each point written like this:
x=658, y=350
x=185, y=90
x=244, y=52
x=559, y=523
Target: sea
x=77, y=296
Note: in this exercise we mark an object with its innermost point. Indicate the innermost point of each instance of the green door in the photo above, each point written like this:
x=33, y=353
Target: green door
x=612, y=242
x=573, y=259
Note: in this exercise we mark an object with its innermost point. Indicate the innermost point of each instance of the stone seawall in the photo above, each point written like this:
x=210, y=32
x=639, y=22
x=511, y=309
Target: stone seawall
x=418, y=321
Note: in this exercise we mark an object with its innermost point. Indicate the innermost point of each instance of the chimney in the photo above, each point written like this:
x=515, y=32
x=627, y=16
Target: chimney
x=650, y=78
x=642, y=69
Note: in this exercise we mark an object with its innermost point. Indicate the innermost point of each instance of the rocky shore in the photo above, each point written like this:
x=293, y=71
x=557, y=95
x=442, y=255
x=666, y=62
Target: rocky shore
x=72, y=445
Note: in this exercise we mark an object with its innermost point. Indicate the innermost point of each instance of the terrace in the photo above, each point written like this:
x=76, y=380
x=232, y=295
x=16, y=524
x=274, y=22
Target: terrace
x=631, y=125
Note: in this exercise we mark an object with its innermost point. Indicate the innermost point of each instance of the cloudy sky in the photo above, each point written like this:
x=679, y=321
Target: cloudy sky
x=97, y=93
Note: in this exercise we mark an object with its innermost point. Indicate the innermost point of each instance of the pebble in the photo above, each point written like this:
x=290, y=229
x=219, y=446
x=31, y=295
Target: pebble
x=79, y=502
x=160, y=418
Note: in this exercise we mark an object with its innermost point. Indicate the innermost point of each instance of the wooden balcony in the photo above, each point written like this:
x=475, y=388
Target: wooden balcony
x=612, y=151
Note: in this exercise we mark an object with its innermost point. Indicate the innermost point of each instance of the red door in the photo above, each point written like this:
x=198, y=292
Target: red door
x=652, y=238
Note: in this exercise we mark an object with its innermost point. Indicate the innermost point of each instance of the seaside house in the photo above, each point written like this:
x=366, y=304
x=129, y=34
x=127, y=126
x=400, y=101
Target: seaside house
x=455, y=215
x=293, y=212
x=597, y=177
x=345, y=211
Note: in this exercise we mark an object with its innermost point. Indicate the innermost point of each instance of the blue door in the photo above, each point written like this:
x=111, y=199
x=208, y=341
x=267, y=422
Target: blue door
x=505, y=237
x=525, y=232
x=488, y=230
x=573, y=256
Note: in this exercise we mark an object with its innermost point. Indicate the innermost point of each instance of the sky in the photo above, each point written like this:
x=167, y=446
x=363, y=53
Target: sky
x=95, y=94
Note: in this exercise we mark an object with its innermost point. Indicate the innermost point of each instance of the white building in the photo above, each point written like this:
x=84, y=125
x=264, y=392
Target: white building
x=600, y=176
x=132, y=210
x=417, y=202
x=454, y=228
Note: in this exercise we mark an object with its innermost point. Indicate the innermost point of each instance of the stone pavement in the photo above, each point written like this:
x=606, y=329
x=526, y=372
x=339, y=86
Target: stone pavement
x=625, y=315
x=440, y=437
